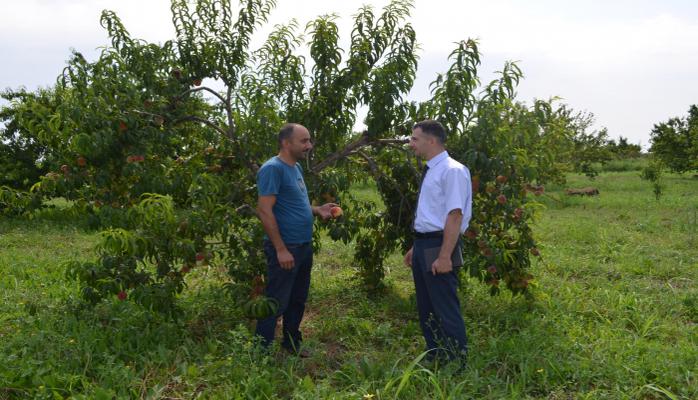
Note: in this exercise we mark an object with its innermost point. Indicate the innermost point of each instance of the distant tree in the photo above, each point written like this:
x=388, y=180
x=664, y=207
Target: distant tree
x=675, y=142
x=587, y=147
x=21, y=154
x=623, y=149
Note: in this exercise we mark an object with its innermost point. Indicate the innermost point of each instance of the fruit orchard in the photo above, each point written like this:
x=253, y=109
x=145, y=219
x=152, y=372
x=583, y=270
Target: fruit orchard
x=169, y=173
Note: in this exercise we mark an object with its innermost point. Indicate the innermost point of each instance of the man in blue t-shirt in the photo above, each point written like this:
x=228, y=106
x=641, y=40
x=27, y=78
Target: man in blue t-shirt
x=287, y=217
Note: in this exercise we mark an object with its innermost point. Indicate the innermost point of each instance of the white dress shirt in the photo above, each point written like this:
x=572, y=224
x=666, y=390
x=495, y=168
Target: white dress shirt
x=446, y=187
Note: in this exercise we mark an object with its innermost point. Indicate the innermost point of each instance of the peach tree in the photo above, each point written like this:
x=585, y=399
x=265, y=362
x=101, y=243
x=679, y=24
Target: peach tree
x=135, y=137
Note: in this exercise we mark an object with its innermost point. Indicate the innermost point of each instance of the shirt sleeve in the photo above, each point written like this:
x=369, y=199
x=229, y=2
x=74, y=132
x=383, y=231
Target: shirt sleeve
x=268, y=180
x=457, y=190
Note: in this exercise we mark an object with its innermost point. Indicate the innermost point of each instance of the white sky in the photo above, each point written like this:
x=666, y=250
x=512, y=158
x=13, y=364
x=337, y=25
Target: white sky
x=631, y=63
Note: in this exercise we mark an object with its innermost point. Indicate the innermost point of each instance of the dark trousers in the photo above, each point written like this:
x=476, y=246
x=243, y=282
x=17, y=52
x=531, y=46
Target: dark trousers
x=290, y=287
x=438, y=305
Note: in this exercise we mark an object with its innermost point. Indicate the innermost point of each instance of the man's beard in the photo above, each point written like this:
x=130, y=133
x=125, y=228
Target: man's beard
x=302, y=155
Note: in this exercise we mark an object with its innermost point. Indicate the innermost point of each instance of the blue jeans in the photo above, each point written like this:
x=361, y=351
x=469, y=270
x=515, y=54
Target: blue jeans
x=438, y=305
x=290, y=287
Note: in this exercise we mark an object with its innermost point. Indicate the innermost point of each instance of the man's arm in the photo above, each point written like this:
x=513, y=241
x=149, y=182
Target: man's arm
x=265, y=205
x=443, y=263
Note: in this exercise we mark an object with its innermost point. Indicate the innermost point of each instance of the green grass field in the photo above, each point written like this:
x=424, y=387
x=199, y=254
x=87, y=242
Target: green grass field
x=614, y=317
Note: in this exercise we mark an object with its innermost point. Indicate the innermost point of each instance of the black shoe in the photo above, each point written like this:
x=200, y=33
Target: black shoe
x=298, y=351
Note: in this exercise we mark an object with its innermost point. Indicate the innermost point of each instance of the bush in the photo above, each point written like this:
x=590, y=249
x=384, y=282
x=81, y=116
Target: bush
x=623, y=165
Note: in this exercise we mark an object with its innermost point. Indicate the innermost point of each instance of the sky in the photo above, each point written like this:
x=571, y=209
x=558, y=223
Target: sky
x=630, y=63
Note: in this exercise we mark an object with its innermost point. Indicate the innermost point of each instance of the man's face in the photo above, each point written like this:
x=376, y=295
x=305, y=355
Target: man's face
x=299, y=143
x=420, y=142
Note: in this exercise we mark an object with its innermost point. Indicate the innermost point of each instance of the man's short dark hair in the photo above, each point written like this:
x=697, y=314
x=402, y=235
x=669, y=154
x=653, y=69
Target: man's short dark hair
x=286, y=132
x=433, y=128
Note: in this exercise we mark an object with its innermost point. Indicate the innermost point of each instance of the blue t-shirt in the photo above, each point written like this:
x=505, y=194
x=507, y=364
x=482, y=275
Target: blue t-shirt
x=292, y=208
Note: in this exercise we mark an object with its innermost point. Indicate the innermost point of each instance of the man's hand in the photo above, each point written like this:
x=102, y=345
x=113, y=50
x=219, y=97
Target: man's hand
x=285, y=258
x=323, y=211
x=408, y=257
x=442, y=265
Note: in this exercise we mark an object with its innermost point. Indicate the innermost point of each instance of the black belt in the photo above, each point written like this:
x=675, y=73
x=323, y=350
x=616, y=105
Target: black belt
x=429, y=235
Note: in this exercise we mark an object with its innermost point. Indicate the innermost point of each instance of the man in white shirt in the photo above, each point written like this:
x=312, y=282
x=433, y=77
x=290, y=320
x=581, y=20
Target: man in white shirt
x=444, y=208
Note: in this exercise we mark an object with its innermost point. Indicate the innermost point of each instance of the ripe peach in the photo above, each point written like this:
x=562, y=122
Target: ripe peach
x=336, y=212
x=81, y=161
x=122, y=295
x=501, y=179
x=501, y=199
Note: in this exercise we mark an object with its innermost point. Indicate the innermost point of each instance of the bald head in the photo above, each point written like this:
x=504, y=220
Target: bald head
x=294, y=141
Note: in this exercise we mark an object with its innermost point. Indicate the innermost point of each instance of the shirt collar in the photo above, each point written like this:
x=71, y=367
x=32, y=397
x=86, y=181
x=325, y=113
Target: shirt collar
x=437, y=159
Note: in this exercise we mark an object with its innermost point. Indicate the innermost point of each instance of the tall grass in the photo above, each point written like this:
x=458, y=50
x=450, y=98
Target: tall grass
x=615, y=316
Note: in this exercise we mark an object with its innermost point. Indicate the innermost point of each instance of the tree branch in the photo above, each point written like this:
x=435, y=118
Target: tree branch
x=204, y=88
x=348, y=149
x=229, y=109
x=353, y=148
x=226, y=103
x=193, y=118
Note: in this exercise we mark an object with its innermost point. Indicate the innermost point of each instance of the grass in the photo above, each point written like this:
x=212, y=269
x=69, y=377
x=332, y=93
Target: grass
x=614, y=317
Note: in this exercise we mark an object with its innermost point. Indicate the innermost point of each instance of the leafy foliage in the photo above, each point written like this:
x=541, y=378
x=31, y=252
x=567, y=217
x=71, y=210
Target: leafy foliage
x=675, y=142
x=22, y=156
x=623, y=149
x=133, y=135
